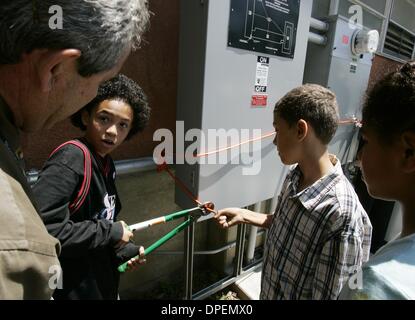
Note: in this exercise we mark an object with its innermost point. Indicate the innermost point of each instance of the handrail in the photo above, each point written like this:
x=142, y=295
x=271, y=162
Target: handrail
x=122, y=167
x=230, y=245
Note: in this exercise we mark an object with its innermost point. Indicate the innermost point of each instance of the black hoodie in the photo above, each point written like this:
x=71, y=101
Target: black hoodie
x=89, y=235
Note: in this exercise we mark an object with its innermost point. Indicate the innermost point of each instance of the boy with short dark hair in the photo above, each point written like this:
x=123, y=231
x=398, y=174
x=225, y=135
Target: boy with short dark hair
x=320, y=234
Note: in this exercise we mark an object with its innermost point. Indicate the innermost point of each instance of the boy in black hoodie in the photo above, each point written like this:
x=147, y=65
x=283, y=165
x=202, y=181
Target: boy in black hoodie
x=78, y=198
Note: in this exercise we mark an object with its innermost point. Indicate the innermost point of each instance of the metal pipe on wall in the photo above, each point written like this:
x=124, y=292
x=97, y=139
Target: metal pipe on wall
x=319, y=25
x=189, y=259
x=317, y=39
x=135, y=165
x=273, y=204
x=250, y=250
x=239, y=251
x=122, y=167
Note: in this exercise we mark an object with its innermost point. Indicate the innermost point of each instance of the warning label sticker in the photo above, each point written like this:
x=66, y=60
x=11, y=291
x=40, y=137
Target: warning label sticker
x=261, y=78
x=259, y=100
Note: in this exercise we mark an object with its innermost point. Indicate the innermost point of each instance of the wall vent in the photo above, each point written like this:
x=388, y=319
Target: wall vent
x=399, y=42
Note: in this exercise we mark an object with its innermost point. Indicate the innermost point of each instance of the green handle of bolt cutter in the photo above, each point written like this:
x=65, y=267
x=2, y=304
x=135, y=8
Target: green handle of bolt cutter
x=122, y=268
x=179, y=214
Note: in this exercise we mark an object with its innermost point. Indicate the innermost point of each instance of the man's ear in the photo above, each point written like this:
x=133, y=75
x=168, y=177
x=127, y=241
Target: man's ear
x=302, y=129
x=408, y=143
x=52, y=63
x=85, y=117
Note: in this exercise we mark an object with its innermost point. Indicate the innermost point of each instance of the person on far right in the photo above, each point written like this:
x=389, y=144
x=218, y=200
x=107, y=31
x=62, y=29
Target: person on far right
x=388, y=164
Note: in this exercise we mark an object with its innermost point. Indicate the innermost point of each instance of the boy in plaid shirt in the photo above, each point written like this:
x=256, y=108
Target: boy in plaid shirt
x=320, y=234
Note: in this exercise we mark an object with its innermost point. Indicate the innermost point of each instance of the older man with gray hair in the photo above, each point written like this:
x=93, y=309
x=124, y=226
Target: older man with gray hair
x=46, y=74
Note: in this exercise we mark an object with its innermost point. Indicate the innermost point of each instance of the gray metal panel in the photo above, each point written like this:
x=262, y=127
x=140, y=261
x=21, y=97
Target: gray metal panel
x=317, y=65
x=349, y=87
x=330, y=66
x=193, y=26
x=342, y=49
x=228, y=86
x=320, y=8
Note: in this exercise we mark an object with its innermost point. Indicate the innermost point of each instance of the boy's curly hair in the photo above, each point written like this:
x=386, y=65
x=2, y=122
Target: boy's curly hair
x=120, y=88
x=390, y=106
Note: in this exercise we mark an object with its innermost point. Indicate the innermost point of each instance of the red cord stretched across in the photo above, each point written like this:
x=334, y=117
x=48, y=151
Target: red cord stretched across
x=235, y=145
x=164, y=166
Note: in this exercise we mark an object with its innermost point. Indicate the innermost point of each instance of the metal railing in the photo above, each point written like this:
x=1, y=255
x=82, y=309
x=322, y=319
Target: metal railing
x=122, y=167
x=238, y=269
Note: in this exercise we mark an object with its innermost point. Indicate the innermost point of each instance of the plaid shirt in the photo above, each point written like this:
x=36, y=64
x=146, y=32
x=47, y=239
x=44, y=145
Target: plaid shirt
x=319, y=237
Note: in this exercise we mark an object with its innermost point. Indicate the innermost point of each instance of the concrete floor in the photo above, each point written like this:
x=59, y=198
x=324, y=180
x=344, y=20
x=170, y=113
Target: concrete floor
x=249, y=287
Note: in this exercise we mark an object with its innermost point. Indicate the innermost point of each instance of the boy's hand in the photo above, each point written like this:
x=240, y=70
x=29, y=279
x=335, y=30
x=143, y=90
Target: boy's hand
x=135, y=262
x=229, y=217
x=126, y=235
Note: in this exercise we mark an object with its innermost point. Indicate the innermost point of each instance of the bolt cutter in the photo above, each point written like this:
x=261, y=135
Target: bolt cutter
x=198, y=214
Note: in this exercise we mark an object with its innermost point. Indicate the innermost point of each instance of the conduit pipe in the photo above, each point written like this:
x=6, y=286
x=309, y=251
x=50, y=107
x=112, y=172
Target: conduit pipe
x=253, y=231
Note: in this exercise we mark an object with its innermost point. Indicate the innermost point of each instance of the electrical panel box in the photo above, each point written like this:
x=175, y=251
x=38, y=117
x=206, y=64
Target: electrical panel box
x=336, y=67
x=217, y=99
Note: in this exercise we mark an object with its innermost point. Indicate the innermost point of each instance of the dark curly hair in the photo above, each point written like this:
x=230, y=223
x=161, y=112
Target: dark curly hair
x=120, y=88
x=389, y=108
x=313, y=104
